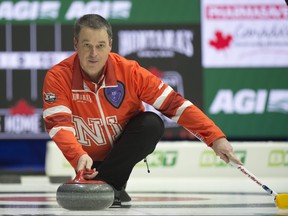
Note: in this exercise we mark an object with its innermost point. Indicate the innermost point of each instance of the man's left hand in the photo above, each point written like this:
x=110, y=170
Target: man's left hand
x=224, y=150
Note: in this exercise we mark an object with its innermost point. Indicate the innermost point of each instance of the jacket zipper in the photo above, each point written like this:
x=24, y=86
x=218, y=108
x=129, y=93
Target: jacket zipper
x=103, y=116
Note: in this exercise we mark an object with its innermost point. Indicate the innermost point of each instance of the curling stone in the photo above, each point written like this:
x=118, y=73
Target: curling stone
x=82, y=194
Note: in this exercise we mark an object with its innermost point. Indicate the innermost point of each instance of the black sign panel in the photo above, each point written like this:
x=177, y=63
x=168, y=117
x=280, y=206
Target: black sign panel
x=171, y=52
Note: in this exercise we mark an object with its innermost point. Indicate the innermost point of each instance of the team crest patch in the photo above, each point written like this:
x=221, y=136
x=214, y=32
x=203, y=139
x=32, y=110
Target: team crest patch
x=49, y=97
x=115, y=95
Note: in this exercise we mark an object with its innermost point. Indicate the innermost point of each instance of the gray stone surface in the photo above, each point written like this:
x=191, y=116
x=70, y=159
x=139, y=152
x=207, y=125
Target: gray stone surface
x=85, y=196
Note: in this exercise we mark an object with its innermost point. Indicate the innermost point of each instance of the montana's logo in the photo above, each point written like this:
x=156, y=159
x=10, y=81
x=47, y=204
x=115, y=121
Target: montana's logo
x=156, y=43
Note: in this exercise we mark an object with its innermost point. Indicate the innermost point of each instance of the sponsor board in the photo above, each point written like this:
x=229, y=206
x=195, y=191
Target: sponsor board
x=65, y=10
x=30, y=67
x=243, y=33
x=31, y=60
x=278, y=158
x=193, y=159
x=36, y=36
x=250, y=101
x=248, y=104
x=189, y=159
x=208, y=158
x=170, y=52
x=160, y=158
x=22, y=121
x=156, y=43
x=120, y=11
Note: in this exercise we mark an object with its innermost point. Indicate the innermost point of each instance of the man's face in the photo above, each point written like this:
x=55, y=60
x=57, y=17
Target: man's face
x=93, y=48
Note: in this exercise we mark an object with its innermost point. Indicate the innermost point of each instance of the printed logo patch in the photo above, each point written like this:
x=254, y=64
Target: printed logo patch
x=49, y=97
x=115, y=95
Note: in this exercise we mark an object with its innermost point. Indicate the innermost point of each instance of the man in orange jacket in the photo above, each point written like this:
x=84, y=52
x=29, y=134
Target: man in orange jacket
x=93, y=109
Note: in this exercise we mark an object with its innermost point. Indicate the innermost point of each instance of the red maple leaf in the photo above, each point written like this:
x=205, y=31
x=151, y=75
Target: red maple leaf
x=220, y=41
x=22, y=108
x=156, y=72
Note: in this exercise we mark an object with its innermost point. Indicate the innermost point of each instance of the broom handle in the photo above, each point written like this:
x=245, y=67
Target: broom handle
x=246, y=172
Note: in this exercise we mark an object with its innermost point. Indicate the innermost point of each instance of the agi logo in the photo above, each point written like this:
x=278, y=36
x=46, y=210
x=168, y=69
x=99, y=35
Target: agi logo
x=53, y=10
x=248, y=101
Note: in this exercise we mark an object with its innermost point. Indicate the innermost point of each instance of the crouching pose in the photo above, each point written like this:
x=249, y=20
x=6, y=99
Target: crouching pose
x=94, y=113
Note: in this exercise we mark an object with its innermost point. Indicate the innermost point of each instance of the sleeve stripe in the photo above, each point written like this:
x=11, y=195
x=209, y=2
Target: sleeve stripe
x=159, y=101
x=180, y=110
x=56, y=109
x=55, y=130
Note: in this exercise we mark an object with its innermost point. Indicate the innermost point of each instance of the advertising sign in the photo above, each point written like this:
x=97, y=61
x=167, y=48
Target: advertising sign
x=35, y=35
x=120, y=11
x=250, y=103
x=244, y=33
x=171, y=52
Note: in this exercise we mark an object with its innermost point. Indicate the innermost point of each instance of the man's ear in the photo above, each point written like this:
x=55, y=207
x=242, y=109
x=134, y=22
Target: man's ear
x=110, y=44
x=75, y=42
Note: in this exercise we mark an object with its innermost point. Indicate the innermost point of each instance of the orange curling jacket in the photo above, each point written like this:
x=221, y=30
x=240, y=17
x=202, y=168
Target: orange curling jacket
x=83, y=117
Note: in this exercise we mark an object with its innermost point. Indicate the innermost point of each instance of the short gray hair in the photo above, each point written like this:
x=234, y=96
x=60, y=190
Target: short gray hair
x=94, y=21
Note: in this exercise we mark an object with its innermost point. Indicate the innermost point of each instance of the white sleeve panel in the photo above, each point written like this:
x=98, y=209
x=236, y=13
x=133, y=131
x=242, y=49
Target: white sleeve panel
x=55, y=130
x=159, y=101
x=180, y=110
x=56, y=109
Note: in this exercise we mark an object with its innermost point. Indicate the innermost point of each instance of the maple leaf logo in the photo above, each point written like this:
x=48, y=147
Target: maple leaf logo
x=220, y=41
x=22, y=108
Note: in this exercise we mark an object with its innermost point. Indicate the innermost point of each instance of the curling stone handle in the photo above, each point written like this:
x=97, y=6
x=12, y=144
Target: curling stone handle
x=80, y=176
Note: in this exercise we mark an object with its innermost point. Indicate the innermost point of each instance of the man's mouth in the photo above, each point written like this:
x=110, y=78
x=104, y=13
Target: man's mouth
x=92, y=61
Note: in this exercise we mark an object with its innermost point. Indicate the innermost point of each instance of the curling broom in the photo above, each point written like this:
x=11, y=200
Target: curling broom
x=281, y=200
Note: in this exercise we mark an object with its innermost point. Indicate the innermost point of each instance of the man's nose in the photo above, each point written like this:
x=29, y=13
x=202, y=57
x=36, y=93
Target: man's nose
x=93, y=51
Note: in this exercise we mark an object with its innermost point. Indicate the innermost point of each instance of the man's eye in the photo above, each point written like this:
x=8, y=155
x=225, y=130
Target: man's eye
x=86, y=45
x=100, y=46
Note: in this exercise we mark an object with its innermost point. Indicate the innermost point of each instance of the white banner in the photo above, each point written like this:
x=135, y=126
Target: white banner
x=31, y=60
x=244, y=33
x=190, y=159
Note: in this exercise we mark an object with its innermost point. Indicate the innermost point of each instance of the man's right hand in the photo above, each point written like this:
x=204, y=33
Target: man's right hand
x=86, y=162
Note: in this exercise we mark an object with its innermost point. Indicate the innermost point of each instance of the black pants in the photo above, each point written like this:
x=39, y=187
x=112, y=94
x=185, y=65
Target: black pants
x=138, y=140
